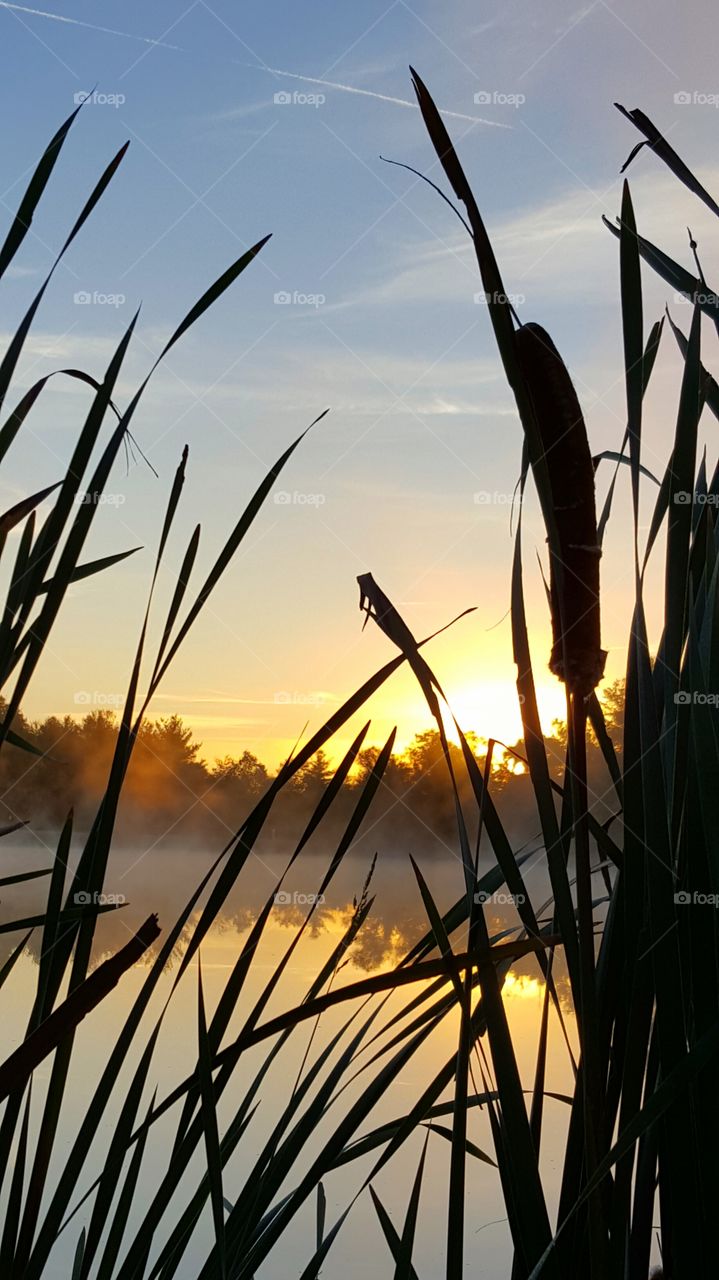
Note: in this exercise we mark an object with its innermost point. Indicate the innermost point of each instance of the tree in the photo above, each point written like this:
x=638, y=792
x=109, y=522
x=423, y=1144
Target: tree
x=171, y=740
x=612, y=699
x=313, y=776
x=396, y=776
x=244, y=773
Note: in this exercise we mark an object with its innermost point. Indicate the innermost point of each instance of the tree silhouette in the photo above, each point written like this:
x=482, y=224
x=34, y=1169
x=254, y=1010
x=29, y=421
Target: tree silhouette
x=172, y=791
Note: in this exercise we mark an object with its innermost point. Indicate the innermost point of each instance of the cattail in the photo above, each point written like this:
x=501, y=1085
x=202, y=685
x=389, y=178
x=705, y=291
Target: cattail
x=577, y=657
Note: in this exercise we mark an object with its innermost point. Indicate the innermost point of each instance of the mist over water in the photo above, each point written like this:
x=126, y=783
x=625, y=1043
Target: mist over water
x=161, y=879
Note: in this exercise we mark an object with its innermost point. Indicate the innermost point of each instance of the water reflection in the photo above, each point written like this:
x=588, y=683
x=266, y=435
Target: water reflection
x=163, y=880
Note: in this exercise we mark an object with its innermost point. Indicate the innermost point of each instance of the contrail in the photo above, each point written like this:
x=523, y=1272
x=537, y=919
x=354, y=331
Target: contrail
x=253, y=66
x=383, y=97
x=77, y=22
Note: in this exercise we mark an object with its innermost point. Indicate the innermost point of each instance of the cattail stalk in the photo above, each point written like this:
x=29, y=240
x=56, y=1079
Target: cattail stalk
x=577, y=657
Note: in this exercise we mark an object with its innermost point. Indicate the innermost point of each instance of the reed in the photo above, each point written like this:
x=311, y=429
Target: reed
x=643, y=1119
x=631, y=1145
x=577, y=657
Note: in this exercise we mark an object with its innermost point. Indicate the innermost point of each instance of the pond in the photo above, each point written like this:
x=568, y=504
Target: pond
x=162, y=881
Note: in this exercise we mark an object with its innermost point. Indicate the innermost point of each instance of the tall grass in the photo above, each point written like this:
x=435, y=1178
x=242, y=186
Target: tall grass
x=642, y=1126
x=644, y=1118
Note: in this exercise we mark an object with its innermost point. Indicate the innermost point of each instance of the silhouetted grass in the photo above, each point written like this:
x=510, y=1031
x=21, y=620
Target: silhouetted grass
x=642, y=1128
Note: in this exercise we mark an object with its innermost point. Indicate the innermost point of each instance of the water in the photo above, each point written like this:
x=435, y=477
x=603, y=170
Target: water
x=162, y=881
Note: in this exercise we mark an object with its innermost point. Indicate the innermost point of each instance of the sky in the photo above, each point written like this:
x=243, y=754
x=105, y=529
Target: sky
x=267, y=117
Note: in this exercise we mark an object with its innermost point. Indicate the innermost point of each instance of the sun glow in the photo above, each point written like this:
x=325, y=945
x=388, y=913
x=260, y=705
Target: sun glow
x=491, y=709
x=523, y=986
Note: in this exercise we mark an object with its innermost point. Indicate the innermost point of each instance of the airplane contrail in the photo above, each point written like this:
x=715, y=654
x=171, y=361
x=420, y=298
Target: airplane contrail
x=77, y=22
x=383, y=97
x=253, y=66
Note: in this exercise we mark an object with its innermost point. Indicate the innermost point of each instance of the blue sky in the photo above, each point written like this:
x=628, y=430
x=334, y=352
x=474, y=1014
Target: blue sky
x=382, y=325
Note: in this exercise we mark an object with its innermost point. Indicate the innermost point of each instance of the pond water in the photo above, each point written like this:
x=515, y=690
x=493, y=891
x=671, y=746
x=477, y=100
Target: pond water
x=162, y=880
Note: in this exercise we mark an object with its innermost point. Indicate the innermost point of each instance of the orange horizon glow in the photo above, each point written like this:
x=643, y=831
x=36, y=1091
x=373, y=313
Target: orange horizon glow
x=487, y=710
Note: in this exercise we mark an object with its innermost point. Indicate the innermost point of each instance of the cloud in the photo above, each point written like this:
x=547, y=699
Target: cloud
x=20, y=273
x=556, y=250
x=218, y=700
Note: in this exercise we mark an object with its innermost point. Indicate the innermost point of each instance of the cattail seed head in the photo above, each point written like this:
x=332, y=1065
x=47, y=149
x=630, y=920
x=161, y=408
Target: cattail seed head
x=577, y=657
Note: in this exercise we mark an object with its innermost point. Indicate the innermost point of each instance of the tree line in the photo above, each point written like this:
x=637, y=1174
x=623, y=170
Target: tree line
x=173, y=792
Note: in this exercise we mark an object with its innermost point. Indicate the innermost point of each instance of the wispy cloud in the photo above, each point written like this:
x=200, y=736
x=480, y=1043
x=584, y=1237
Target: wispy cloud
x=215, y=700
x=556, y=250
